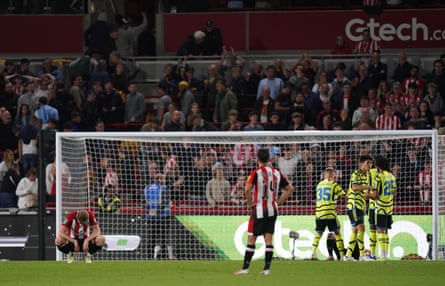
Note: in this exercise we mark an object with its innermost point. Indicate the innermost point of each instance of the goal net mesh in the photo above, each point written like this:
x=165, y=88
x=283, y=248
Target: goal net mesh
x=181, y=194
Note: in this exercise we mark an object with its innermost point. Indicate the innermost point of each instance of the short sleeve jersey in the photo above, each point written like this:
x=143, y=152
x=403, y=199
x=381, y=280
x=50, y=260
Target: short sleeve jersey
x=328, y=192
x=266, y=183
x=356, y=200
x=77, y=230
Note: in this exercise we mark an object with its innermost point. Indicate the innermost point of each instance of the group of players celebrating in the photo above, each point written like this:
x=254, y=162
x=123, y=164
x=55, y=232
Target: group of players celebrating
x=372, y=187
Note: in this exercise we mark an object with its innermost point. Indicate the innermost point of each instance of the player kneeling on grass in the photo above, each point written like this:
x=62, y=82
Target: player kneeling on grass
x=262, y=188
x=80, y=232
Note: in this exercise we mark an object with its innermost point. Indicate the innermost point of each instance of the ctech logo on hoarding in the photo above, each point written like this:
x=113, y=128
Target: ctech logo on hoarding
x=413, y=30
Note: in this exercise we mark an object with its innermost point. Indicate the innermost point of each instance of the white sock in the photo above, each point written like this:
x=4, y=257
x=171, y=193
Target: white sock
x=157, y=250
x=170, y=251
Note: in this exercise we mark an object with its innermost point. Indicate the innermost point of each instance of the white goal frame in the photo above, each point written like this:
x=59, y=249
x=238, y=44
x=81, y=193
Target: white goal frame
x=212, y=137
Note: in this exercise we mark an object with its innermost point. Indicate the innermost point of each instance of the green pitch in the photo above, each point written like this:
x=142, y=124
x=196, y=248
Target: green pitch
x=215, y=273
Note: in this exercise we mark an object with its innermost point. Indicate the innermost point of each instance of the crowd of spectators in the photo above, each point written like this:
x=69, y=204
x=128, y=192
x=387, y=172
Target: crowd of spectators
x=98, y=91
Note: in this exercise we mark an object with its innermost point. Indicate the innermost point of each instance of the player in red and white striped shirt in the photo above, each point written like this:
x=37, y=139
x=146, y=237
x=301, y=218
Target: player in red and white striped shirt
x=80, y=232
x=262, y=188
x=387, y=120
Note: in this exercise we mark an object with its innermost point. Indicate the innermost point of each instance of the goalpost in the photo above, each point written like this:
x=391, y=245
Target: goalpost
x=203, y=216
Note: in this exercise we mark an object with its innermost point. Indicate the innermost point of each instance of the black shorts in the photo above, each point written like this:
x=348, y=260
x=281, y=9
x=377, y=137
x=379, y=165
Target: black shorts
x=371, y=217
x=330, y=223
x=260, y=226
x=384, y=221
x=356, y=217
x=92, y=247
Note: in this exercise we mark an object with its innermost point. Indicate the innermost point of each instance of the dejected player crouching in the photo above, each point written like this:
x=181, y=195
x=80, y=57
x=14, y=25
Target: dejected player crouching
x=80, y=232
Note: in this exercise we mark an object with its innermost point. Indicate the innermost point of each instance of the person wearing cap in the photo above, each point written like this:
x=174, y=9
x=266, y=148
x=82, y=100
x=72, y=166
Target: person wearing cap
x=253, y=124
x=225, y=100
x=193, y=46
x=297, y=122
x=232, y=118
x=186, y=97
x=213, y=43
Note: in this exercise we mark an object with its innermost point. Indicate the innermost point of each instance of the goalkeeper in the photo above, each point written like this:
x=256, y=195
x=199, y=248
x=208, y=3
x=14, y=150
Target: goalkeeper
x=160, y=221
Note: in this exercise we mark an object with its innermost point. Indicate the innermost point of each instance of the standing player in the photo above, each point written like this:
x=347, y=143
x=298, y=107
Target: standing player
x=384, y=196
x=266, y=182
x=373, y=174
x=358, y=192
x=80, y=232
x=328, y=192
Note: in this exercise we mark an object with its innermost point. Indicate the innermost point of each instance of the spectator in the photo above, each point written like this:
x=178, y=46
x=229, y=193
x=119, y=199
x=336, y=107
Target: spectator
x=110, y=43
x=411, y=98
x=414, y=121
x=23, y=69
x=196, y=85
x=46, y=112
x=8, y=99
x=9, y=68
x=264, y=105
x=27, y=190
x=387, y=120
x=50, y=177
x=96, y=35
x=297, y=122
x=23, y=117
x=8, y=186
x=238, y=85
x=377, y=71
x=77, y=92
x=402, y=69
x=322, y=86
x=366, y=45
x=275, y=122
x=27, y=97
x=134, y=105
x=424, y=183
x=48, y=68
x=230, y=59
x=164, y=101
x=383, y=90
x=414, y=78
x=344, y=120
x=200, y=124
x=90, y=112
x=237, y=192
x=364, y=105
x=9, y=139
x=218, y=188
x=312, y=104
x=435, y=102
x=28, y=141
x=253, y=124
x=186, y=97
x=274, y=83
x=213, y=43
x=254, y=77
x=194, y=110
x=193, y=46
x=100, y=74
x=8, y=159
x=176, y=123
x=298, y=78
x=310, y=67
x=225, y=100
x=361, y=83
x=327, y=110
x=167, y=119
x=130, y=68
x=112, y=105
x=341, y=47
x=426, y=115
x=128, y=34
x=120, y=77
x=287, y=163
x=210, y=85
x=437, y=76
x=232, y=118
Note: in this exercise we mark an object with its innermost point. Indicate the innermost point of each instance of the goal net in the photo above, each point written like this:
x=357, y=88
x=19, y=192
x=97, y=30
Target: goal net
x=179, y=195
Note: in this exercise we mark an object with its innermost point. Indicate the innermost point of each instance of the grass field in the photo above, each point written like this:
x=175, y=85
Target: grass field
x=216, y=273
